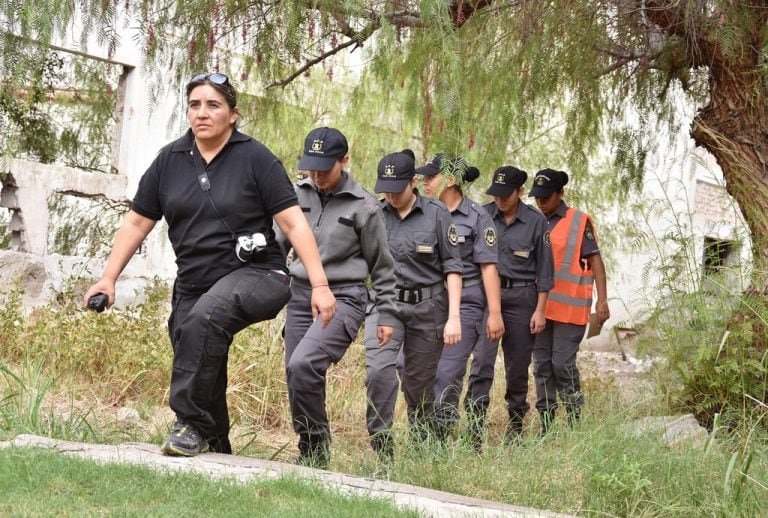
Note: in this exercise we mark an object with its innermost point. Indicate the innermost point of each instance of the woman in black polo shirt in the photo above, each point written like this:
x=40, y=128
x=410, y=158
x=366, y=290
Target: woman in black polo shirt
x=219, y=191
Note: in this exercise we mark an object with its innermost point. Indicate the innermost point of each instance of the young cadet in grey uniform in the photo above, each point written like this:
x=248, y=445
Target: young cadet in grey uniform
x=480, y=293
x=579, y=266
x=424, y=243
x=351, y=236
x=526, y=273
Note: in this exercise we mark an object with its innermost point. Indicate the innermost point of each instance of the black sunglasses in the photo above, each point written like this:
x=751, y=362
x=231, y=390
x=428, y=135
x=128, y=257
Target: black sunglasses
x=215, y=78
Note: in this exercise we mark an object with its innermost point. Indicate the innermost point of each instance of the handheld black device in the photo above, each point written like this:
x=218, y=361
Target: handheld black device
x=98, y=302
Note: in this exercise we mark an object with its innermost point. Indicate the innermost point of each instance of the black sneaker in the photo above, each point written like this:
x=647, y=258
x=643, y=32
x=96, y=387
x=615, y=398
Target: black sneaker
x=184, y=441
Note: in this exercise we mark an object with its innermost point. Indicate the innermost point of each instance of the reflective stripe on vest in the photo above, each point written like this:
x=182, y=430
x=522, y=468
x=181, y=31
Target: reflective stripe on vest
x=570, y=300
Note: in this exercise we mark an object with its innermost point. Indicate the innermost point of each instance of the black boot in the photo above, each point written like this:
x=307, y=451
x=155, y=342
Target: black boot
x=384, y=446
x=574, y=414
x=476, y=426
x=314, y=450
x=514, y=432
x=547, y=418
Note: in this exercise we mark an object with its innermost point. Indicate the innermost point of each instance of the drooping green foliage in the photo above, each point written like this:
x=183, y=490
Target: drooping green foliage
x=480, y=79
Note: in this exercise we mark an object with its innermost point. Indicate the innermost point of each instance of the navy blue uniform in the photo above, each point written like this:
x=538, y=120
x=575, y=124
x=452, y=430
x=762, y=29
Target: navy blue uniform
x=525, y=269
x=424, y=246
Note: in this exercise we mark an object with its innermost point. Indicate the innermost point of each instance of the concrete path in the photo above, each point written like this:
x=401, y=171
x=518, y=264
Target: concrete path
x=427, y=502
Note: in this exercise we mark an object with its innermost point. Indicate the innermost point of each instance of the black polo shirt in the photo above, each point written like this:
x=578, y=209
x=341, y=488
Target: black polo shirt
x=248, y=186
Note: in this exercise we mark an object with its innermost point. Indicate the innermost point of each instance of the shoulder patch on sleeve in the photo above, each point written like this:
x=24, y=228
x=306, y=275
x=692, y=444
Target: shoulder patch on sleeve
x=490, y=236
x=371, y=204
x=453, y=235
x=547, y=239
x=588, y=233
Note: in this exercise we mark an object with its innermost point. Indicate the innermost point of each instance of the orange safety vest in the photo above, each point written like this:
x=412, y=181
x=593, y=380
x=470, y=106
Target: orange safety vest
x=571, y=298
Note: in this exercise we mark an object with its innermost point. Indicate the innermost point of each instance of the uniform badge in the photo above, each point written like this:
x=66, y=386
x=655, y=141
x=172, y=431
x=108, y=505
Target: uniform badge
x=453, y=235
x=547, y=239
x=588, y=233
x=490, y=236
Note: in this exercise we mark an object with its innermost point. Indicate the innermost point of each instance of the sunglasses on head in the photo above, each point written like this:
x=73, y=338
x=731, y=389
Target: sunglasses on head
x=215, y=78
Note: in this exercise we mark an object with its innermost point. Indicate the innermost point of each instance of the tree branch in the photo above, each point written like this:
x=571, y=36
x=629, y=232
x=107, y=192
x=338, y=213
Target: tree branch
x=309, y=64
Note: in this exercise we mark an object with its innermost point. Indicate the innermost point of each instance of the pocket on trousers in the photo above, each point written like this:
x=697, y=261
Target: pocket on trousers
x=340, y=330
x=263, y=301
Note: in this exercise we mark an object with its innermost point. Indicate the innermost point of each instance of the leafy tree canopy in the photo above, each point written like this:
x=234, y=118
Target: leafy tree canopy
x=482, y=78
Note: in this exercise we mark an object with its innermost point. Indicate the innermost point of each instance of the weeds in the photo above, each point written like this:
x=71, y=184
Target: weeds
x=60, y=353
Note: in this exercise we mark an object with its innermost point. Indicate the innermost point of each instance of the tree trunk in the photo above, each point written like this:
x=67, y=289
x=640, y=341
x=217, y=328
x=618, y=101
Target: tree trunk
x=734, y=128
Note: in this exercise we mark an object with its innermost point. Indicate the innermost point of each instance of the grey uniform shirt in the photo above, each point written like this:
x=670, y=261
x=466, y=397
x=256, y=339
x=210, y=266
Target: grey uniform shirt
x=352, y=240
x=588, y=243
x=424, y=244
x=524, y=250
x=477, y=237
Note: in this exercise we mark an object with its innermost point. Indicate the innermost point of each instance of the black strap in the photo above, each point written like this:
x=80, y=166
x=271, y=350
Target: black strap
x=205, y=184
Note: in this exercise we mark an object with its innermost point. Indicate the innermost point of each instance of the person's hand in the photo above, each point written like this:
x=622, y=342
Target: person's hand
x=495, y=326
x=105, y=286
x=538, y=322
x=602, y=311
x=323, y=304
x=384, y=334
x=452, y=331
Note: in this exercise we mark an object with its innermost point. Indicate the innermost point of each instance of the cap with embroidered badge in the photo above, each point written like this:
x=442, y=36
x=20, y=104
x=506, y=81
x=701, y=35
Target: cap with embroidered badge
x=323, y=147
x=548, y=181
x=506, y=180
x=394, y=172
x=433, y=167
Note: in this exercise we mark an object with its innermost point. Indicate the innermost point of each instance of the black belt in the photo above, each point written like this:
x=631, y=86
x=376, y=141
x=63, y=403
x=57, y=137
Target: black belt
x=515, y=283
x=466, y=283
x=416, y=295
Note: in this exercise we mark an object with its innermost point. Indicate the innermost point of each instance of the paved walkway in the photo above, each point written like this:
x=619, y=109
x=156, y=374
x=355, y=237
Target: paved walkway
x=427, y=501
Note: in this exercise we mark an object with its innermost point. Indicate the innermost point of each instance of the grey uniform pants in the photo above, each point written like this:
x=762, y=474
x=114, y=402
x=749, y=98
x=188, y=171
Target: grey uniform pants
x=422, y=343
x=517, y=306
x=453, y=361
x=554, y=369
x=381, y=381
x=201, y=328
x=310, y=349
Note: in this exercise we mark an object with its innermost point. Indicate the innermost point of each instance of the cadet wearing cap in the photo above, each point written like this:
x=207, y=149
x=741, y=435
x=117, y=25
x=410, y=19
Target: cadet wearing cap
x=424, y=243
x=351, y=236
x=480, y=295
x=526, y=271
x=579, y=267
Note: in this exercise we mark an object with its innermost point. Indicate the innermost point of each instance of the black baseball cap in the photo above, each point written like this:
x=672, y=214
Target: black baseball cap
x=323, y=147
x=548, y=181
x=506, y=180
x=433, y=167
x=394, y=172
